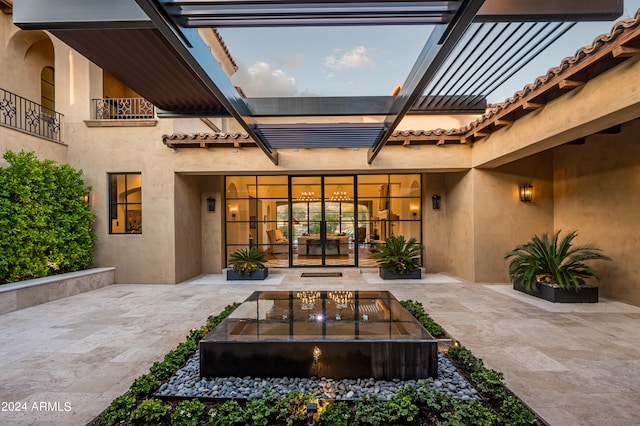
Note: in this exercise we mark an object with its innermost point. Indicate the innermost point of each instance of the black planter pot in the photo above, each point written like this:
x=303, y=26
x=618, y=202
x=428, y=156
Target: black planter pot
x=388, y=275
x=258, y=274
x=552, y=293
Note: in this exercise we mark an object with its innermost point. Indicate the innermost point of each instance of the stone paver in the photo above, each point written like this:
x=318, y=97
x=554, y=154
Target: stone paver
x=64, y=361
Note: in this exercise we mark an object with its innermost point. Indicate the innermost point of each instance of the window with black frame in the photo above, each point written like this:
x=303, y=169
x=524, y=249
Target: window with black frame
x=125, y=203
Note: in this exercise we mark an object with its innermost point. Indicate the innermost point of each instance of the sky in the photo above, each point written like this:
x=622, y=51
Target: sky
x=361, y=61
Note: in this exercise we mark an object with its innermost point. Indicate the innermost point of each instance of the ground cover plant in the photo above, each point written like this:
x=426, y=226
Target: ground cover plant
x=45, y=222
x=420, y=405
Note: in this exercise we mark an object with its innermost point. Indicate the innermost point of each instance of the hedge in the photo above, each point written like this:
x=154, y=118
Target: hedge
x=45, y=223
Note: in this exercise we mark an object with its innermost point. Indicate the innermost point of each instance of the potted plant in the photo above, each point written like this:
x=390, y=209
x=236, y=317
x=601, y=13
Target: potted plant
x=247, y=264
x=554, y=269
x=398, y=258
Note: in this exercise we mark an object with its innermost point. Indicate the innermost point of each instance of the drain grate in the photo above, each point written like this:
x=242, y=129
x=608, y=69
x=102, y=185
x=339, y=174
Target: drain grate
x=321, y=274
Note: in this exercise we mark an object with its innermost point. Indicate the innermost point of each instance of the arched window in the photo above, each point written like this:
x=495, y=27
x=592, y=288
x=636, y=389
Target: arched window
x=47, y=90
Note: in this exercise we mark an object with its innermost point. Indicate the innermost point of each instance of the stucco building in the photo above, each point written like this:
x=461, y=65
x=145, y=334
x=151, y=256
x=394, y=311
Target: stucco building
x=571, y=134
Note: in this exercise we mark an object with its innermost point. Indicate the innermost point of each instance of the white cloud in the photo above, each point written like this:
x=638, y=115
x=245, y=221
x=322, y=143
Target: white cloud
x=260, y=80
x=355, y=58
x=295, y=61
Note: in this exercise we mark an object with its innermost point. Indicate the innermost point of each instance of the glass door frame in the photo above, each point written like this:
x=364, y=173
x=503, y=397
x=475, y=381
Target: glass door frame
x=323, y=200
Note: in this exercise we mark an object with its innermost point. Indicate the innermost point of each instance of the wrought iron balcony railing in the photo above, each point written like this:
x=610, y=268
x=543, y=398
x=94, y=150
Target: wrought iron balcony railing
x=28, y=116
x=123, y=109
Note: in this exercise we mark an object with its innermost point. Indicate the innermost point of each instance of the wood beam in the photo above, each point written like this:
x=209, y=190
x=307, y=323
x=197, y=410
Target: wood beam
x=6, y=6
x=625, y=52
x=528, y=105
x=570, y=83
x=501, y=122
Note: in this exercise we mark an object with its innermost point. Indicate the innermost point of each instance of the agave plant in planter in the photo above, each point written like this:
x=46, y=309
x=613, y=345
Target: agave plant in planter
x=399, y=258
x=247, y=264
x=553, y=268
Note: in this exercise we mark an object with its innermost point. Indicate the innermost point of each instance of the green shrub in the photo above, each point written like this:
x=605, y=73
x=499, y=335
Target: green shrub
x=470, y=412
x=371, y=411
x=261, y=410
x=187, y=413
x=417, y=310
x=293, y=407
x=335, y=414
x=145, y=385
x=118, y=411
x=464, y=355
x=45, y=224
x=401, y=408
x=228, y=414
x=489, y=382
x=432, y=398
x=150, y=411
x=514, y=413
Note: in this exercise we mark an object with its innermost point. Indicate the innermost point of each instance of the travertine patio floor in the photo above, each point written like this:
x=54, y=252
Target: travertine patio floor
x=64, y=361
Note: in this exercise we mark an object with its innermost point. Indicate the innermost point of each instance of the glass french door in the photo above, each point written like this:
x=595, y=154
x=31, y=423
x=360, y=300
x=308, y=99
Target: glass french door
x=323, y=221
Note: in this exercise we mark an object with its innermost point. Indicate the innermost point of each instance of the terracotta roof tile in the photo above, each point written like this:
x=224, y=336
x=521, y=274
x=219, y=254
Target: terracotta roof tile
x=225, y=48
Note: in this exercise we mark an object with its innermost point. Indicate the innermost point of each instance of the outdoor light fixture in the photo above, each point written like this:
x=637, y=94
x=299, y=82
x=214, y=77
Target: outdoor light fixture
x=526, y=193
x=435, y=202
x=87, y=198
x=211, y=204
x=312, y=409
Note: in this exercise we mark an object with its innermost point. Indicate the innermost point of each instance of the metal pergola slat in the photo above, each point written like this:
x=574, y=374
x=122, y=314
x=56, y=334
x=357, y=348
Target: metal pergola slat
x=338, y=135
x=248, y=13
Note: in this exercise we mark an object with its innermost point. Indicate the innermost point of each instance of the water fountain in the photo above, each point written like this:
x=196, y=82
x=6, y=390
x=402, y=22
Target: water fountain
x=338, y=334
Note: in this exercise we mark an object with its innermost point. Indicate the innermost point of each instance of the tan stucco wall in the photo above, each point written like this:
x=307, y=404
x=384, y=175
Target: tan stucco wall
x=145, y=258
x=457, y=204
x=212, y=224
x=597, y=187
x=13, y=140
x=501, y=220
x=188, y=227
x=225, y=160
x=434, y=229
x=25, y=54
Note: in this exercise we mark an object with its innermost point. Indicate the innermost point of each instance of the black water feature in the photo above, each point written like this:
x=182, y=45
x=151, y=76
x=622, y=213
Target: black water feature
x=337, y=334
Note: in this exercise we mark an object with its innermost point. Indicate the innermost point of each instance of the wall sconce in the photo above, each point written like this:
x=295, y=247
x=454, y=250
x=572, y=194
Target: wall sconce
x=211, y=204
x=87, y=198
x=435, y=202
x=414, y=211
x=233, y=211
x=526, y=193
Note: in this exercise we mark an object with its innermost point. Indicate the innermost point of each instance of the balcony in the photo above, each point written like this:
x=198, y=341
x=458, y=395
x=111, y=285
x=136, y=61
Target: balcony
x=123, y=109
x=27, y=116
